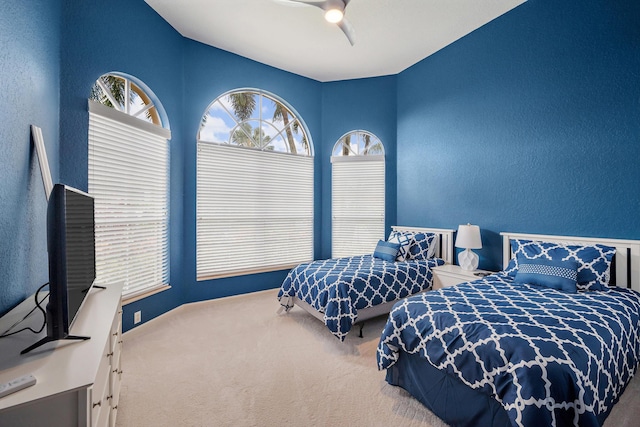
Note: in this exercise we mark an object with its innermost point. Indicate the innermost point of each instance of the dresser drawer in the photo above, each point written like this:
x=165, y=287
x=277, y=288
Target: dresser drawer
x=100, y=393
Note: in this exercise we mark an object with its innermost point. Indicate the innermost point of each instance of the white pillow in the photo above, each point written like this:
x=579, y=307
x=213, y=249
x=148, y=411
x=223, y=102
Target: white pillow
x=405, y=240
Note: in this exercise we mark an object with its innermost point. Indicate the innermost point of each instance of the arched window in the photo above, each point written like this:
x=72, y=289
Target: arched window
x=357, y=194
x=129, y=178
x=254, y=186
x=123, y=95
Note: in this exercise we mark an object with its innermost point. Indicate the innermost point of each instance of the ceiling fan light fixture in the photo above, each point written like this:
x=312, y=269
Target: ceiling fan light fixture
x=334, y=15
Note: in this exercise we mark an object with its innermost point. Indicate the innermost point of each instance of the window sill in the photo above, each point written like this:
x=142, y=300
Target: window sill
x=247, y=272
x=138, y=297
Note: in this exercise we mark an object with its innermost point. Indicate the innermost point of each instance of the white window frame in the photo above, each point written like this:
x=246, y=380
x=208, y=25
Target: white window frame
x=357, y=200
x=255, y=207
x=129, y=178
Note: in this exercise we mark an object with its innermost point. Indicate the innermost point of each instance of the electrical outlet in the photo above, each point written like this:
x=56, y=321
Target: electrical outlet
x=137, y=317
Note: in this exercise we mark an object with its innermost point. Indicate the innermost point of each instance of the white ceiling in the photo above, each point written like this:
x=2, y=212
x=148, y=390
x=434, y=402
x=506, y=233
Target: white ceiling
x=391, y=35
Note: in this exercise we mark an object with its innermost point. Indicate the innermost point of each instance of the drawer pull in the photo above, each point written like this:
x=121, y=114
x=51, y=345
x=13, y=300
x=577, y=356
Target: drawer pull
x=110, y=354
x=97, y=404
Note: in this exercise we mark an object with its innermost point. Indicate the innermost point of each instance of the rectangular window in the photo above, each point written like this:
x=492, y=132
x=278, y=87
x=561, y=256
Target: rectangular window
x=129, y=178
x=254, y=209
x=357, y=204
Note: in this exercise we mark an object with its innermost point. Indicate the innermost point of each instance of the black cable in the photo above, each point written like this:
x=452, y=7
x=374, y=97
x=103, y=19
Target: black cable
x=38, y=306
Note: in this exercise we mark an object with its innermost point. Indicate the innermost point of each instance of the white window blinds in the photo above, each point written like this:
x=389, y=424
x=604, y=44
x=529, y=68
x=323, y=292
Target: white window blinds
x=254, y=209
x=357, y=203
x=129, y=178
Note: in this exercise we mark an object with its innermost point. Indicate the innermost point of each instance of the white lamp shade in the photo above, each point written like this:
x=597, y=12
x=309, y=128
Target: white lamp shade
x=468, y=237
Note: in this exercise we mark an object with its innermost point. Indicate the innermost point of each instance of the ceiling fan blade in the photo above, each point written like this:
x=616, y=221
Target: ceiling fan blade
x=344, y=24
x=348, y=30
x=299, y=3
x=325, y=5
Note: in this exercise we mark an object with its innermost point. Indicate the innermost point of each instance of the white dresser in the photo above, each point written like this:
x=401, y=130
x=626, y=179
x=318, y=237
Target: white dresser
x=77, y=382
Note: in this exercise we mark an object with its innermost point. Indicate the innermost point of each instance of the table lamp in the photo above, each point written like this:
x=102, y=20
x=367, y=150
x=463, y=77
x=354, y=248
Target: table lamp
x=468, y=237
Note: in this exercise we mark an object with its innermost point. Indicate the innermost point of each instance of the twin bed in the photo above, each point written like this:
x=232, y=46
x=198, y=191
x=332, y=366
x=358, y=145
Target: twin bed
x=553, y=339
x=343, y=291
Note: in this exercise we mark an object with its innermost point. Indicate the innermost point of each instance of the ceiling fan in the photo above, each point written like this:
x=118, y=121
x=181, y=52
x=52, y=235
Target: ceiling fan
x=334, y=11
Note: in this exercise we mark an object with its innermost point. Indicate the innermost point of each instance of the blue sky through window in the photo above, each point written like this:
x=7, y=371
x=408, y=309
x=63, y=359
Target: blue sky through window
x=261, y=130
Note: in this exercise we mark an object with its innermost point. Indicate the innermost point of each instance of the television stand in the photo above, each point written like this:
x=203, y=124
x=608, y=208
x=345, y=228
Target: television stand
x=45, y=340
x=77, y=385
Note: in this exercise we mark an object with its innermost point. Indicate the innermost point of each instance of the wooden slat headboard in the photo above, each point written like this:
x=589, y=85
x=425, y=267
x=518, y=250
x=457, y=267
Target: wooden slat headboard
x=444, y=240
x=626, y=261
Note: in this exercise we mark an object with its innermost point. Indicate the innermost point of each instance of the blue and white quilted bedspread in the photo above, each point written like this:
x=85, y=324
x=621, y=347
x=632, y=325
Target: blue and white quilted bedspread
x=550, y=358
x=339, y=287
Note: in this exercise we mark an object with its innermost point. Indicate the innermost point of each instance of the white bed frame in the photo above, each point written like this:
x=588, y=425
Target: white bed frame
x=626, y=260
x=444, y=250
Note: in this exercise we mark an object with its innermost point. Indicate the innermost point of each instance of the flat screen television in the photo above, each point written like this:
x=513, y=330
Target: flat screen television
x=72, y=261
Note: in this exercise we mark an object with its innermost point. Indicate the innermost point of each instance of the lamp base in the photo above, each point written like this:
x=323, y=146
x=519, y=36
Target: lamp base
x=468, y=260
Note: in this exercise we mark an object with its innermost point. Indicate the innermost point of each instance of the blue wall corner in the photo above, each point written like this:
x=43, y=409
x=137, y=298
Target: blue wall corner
x=212, y=72
x=363, y=104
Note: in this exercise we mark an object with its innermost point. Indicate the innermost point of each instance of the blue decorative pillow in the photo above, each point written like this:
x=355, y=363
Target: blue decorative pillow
x=594, y=262
x=404, y=240
x=554, y=274
x=386, y=250
x=423, y=246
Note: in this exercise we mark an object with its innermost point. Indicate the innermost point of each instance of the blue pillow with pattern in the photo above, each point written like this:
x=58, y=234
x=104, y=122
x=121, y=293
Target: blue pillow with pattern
x=405, y=240
x=554, y=274
x=594, y=262
x=386, y=250
x=423, y=246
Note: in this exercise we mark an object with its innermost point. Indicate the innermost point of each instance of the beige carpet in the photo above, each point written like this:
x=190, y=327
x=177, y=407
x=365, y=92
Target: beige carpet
x=235, y=362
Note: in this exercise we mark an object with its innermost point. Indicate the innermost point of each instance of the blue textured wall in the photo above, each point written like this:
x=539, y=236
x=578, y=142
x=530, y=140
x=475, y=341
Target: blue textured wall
x=186, y=76
x=529, y=124
x=141, y=44
x=365, y=104
x=210, y=73
x=29, y=87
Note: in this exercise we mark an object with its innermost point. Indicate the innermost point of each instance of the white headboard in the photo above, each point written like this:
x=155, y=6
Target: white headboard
x=444, y=240
x=627, y=257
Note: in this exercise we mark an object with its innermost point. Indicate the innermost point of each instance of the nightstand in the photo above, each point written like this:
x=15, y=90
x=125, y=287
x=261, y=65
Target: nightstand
x=449, y=275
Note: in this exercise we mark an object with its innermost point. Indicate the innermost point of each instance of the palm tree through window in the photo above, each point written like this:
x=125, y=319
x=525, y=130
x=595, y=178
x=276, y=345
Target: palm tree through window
x=252, y=119
x=112, y=90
